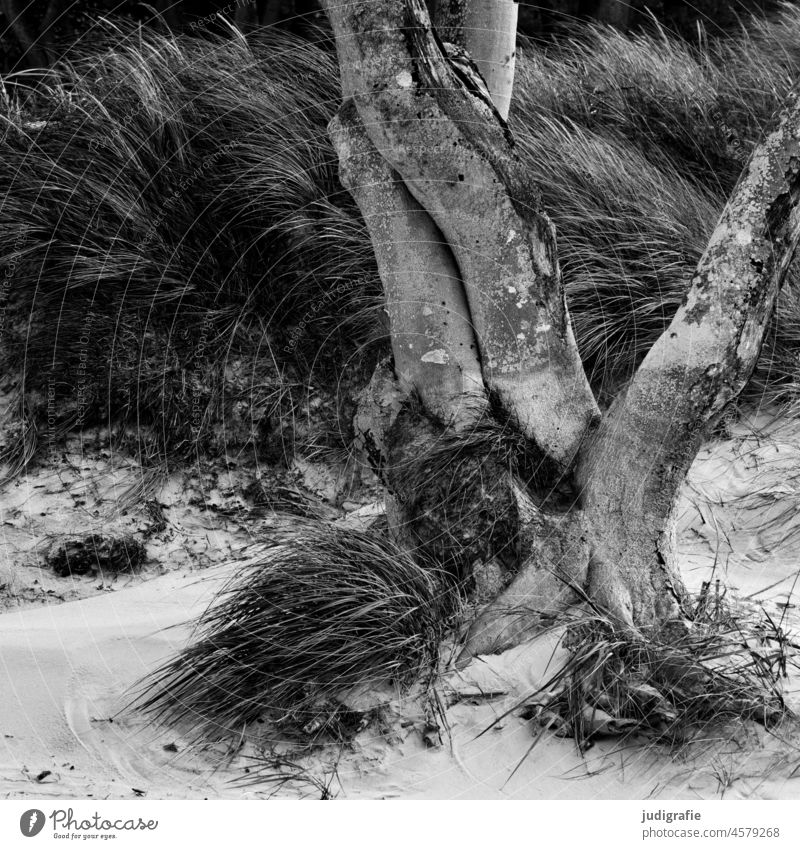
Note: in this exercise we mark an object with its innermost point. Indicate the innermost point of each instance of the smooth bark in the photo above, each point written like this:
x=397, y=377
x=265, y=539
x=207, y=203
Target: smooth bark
x=632, y=470
x=630, y=473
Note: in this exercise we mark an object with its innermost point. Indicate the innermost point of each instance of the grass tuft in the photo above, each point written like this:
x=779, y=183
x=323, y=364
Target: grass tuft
x=456, y=494
x=669, y=686
x=178, y=251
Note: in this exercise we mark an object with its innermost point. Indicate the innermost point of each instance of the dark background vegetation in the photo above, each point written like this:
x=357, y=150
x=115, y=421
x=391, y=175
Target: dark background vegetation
x=37, y=32
x=182, y=274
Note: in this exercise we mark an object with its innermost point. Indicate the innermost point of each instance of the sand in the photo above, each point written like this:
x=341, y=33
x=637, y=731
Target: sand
x=72, y=648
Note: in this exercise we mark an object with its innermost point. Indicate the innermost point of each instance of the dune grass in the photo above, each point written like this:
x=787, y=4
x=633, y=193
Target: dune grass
x=183, y=263
x=318, y=610
x=674, y=686
x=169, y=214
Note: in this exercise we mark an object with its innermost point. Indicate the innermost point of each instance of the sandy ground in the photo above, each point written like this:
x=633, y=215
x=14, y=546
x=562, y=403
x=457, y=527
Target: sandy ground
x=71, y=648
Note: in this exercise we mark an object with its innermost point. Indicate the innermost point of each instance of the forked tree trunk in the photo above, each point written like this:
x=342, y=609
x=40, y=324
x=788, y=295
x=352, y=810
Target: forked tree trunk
x=614, y=12
x=418, y=123
x=630, y=472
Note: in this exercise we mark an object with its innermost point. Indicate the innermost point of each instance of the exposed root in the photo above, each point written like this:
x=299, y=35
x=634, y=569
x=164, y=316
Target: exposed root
x=318, y=611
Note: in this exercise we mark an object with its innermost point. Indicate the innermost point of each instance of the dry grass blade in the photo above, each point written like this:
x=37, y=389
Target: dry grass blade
x=281, y=774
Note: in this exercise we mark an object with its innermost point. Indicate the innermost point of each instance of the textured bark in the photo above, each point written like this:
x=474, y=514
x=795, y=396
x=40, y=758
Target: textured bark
x=435, y=351
x=487, y=31
x=457, y=500
x=555, y=548
x=443, y=136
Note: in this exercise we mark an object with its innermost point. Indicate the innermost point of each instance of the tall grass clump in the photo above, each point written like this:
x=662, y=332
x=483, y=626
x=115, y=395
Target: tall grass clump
x=459, y=495
x=178, y=246
x=317, y=611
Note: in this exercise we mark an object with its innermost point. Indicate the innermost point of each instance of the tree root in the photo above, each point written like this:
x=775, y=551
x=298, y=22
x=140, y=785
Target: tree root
x=724, y=666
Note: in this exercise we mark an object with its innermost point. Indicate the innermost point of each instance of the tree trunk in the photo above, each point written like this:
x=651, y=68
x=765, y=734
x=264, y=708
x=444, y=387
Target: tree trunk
x=435, y=351
x=487, y=31
x=614, y=12
x=631, y=472
x=602, y=524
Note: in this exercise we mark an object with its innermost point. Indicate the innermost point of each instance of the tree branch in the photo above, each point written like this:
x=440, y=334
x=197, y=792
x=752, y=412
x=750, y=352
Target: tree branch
x=631, y=471
x=487, y=30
